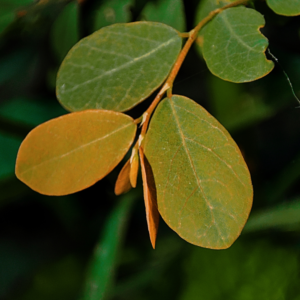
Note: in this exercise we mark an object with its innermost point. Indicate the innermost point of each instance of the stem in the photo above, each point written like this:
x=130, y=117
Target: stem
x=192, y=35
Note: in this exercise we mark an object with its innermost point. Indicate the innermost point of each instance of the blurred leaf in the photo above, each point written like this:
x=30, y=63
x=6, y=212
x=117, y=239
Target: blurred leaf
x=200, y=175
x=59, y=280
x=278, y=186
x=246, y=271
x=15, y=63
x=9, y=146
x=112, y=11
x=123, y=184
x=234, y=108
x=233, y=47
x=102, y=267
x=285, y=7
x=170, y=12
x=30, y=111
x=8, y=10
x=118, y=66
x=152, y=214
x=64, y=33
x=284, y=216
x=72, y=152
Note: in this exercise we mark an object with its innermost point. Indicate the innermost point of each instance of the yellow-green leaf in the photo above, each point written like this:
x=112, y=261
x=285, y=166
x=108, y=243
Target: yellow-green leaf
x=204, y=190
x=72, y=152
x=233, y=47
x=152, y=214
x=118, y=66
x=285, y=7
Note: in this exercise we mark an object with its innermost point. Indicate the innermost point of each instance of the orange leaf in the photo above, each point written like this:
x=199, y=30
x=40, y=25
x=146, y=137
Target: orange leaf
x=134, y=168
x=123, y=182
x=72, y=152
x=152, y=213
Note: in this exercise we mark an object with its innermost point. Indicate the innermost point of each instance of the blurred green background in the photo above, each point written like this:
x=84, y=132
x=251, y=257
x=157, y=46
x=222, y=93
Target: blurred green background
x=94, y=245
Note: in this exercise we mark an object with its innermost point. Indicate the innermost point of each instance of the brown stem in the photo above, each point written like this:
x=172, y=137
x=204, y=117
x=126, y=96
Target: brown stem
x=169, y=82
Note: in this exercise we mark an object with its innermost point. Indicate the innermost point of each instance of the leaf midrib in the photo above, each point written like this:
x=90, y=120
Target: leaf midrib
x=75, y=149
x=129, y=63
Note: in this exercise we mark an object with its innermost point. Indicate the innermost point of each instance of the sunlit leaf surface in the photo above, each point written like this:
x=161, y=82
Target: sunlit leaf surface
x=72, y=152
x=285, y=7
x=118, y=66
x=152, y=214
x=204, y=190
x=234, y=48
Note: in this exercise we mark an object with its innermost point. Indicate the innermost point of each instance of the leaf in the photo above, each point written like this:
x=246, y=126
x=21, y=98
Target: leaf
x=134, y=169
x=123, y=184
x=204, y=190
x=112, y=11
x=284, y=216
x=102, y=267
x=170, y=12
x=285, y=7
x=64, y=32
x=152, y=214
x=233, y=47
x=72, y=152
x=8, y=10
x=118, y=66
x=202, y=11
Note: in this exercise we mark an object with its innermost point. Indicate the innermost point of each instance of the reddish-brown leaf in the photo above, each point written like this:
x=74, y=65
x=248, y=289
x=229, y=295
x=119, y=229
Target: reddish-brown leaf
x=134, y=169
x=152, y=213
x=123, y=184
x=72, y=152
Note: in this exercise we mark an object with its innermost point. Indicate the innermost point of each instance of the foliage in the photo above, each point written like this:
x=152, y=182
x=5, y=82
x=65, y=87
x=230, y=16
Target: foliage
x=201, y=185
x=194, y=174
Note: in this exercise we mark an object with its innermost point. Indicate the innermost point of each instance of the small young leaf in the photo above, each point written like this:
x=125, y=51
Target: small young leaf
x=152, y=214
x=234, y=48
x=123, y=184
x=118, y=66
x=134, y=169
x=170, y=12
x=64, y=33
x=285, y=7
x=204, y=190
x=72, y=152
x=112, y=11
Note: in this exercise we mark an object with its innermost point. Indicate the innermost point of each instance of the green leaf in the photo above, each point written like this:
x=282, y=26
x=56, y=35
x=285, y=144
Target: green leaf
x=246, y=271
x=72, y=152
x=103, y=264
x=285, y=7
x=206, y=6
x=234, y=48
x=204, y=190
x=64, y=32
x=112, y=11
x=283, y=216
x=118, y=66
x=170, y=12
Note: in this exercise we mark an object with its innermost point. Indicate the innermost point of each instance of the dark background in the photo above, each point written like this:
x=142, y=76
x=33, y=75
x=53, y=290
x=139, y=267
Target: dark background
x=47, y=242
